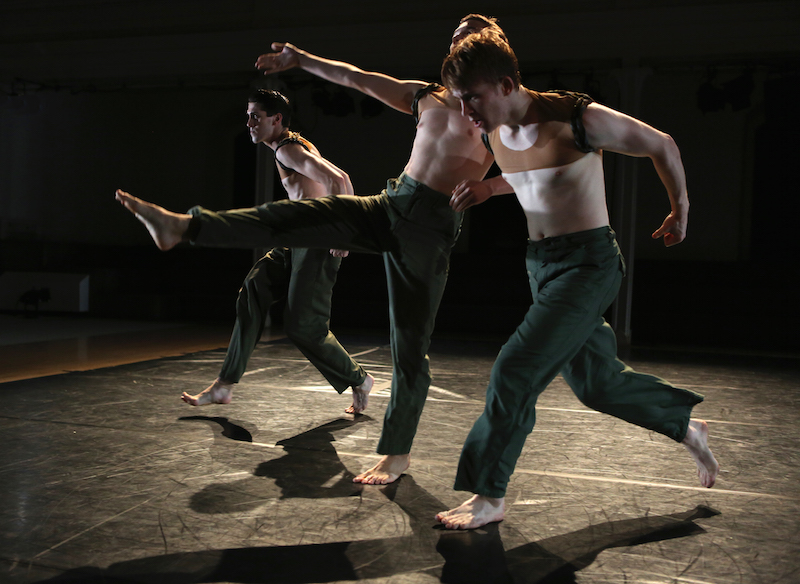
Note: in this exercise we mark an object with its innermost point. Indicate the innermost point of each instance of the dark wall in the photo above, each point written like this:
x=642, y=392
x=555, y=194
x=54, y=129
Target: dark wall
x=180, y=141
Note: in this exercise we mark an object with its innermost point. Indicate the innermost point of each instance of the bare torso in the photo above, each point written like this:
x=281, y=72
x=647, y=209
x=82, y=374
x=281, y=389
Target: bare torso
x=299, y=186
x=447, y=148
x=562, y=199
x=561, y=189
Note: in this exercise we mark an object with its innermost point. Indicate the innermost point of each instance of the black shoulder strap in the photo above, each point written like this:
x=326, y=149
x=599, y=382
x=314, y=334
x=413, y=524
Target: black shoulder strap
x=582, y=101
x=427, y=90
x=485, y=138
x=292, y=138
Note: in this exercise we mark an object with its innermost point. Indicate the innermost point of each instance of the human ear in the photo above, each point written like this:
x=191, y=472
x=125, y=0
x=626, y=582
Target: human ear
x=507, y=85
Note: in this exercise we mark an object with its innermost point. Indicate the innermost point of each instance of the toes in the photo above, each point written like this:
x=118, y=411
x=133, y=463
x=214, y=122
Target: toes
x=371, y=479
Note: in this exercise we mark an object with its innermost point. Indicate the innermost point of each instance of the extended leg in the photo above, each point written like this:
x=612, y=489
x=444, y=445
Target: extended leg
x=167, y=229
x=307, y=321
x=573, y=279
x=604, y=383
x=266, y=282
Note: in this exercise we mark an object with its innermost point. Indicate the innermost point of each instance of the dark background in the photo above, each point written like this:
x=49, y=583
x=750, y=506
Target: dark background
x=150, y=97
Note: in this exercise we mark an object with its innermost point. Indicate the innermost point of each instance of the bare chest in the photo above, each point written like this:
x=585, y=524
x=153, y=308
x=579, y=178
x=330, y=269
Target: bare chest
x=559, y=187
x=445, y=127
x=539, y=146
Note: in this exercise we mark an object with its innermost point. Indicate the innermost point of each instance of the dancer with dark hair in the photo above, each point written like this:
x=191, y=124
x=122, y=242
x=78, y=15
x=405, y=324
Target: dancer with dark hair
x=305, y=277
x=411, y=223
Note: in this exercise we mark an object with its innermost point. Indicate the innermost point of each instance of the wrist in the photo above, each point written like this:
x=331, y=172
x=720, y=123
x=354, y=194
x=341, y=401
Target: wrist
x=681, y=207
x=303, y=58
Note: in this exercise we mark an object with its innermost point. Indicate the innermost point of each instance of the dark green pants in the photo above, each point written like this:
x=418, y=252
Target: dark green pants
x=305, y=277
x=574, y=278
x=411, y=225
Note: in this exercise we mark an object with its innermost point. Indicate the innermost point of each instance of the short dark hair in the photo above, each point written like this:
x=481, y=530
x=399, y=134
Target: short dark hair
x=481, y=57
x=272, y=102
x=489, y=21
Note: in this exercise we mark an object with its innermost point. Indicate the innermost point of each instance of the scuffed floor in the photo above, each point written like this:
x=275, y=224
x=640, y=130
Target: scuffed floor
x=107, y=476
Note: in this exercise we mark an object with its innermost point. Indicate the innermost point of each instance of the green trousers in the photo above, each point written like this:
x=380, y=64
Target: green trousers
x=574, y=278
x=413, y=227
x=305, y=277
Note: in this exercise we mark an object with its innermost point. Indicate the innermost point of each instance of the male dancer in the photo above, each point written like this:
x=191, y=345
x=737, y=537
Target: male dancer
x=410, y=223
x=304, y=276
x=548, y=147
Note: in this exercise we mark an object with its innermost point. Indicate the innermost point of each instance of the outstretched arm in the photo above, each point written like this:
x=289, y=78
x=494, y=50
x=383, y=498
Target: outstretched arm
x=616, y=132
x=393, y=92
x=469, y=193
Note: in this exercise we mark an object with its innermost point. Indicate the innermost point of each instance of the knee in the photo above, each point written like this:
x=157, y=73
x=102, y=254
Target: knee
x=250, y=285
x=292, y=328
x=304, y=331
x=511, y=404
x=245, y=298
x=587, y=394
x=516, y=373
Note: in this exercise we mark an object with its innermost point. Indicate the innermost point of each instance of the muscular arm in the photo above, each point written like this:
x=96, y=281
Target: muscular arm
x=614, y=131
x=469, y=193
x=334, y=179
x=395, y=93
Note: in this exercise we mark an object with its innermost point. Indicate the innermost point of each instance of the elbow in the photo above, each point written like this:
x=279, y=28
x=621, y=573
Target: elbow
x=347, y=185
x=340, y=185
x=670, y=147
x=664, y=151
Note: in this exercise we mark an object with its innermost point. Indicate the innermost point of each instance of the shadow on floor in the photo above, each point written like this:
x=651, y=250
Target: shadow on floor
x=461, y=557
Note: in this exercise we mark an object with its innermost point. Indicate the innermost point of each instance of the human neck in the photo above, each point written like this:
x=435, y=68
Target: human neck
x=277, y=140
x=519, y=112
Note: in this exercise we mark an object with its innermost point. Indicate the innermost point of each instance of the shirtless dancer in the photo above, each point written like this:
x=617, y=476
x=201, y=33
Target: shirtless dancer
x=304, y=276
x=549, y=147
x=410, y=223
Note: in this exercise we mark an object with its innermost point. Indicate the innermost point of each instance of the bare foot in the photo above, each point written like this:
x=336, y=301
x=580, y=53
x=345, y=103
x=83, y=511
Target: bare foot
x=361, y=396
x=166, y=228
x=474, y=512
x=388, y=470
x=219, y=392
x=696, y=442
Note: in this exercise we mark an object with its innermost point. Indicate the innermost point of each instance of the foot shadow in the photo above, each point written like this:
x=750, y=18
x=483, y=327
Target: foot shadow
x=230, y=429
x=460, y=557
x=300, y=564
x=477, y=556
x=310, y=469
